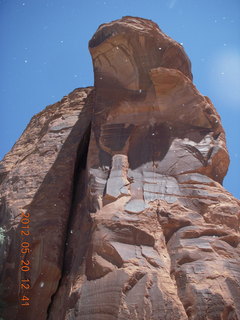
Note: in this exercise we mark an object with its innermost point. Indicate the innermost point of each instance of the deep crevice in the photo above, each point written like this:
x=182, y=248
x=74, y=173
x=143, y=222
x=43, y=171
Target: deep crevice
x=80, y=166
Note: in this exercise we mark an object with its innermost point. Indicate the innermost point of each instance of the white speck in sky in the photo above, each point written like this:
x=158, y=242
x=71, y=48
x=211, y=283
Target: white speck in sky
x=23, y=4
x=222, y=73
x=25, y=61
x=224, y=44
x=215, y=21
x=172, y=3
x=181, y=43
x=75, y=76
x=61, y=41
x=224, y=18
x=41, y=284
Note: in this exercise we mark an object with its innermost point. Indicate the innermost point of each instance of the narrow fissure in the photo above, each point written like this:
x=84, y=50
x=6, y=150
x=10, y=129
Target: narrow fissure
x=80, y=166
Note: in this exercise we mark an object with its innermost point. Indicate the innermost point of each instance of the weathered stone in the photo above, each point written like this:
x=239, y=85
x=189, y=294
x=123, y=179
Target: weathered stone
x=123, y=185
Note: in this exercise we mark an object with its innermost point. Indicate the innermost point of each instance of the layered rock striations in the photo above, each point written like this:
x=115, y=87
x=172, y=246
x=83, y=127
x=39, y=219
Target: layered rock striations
x=122, y=181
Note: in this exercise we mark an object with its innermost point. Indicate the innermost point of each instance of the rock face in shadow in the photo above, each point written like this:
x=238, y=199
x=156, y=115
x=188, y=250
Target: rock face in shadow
x=128, y=217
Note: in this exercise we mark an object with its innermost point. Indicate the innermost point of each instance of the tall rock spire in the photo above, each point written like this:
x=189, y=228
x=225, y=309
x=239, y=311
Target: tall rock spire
x=129, y=219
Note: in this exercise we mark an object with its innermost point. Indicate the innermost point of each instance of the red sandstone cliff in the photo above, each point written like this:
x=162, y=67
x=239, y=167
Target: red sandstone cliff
x=128, y=217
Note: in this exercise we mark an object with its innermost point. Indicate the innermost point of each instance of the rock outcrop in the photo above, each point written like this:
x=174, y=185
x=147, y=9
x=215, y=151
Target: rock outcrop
x=122, y=182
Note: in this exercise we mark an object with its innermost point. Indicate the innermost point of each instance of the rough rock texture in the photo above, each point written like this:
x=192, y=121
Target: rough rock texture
x=123, y=184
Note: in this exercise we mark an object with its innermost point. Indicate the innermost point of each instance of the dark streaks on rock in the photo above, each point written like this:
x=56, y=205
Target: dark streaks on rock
x=123, y=184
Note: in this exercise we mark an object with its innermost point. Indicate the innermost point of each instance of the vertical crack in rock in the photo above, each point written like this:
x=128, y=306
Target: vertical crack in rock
x=78, y=192
x=39, y=178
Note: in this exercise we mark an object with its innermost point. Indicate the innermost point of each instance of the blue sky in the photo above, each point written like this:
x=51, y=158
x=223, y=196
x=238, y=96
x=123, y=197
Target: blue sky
x=44, y=56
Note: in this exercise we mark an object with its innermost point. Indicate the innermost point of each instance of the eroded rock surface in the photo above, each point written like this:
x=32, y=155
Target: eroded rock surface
x=123, y=184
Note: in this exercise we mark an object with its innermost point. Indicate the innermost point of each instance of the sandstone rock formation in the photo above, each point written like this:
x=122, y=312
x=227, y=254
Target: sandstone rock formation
x=128, y=217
